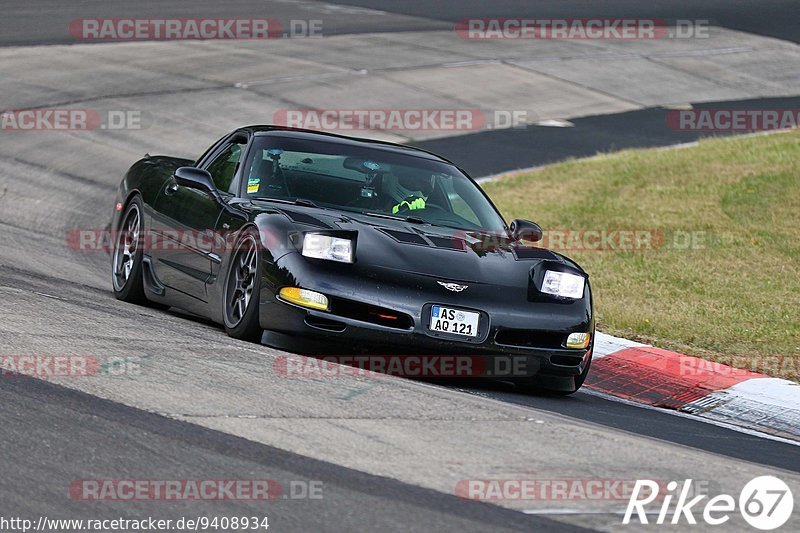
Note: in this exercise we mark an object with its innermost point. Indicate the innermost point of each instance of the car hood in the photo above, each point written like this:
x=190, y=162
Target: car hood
x=434, y=251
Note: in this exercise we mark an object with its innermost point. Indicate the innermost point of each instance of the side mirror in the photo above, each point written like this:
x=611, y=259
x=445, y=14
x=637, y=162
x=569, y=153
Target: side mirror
x=526, y=230
x=195, y=178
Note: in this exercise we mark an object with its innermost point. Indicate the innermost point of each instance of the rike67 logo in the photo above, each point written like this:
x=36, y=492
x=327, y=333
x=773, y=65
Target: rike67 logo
x=766, y=503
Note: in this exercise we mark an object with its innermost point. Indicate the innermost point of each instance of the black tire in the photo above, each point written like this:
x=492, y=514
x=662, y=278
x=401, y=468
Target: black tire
x=240, y=299
x=126, y=257
x=553, y=386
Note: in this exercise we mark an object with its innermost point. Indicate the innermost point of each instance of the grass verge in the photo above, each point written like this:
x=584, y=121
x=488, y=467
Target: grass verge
x=717, y=270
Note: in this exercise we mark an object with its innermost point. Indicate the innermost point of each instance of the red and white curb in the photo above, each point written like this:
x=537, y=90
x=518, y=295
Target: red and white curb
x=716, y=392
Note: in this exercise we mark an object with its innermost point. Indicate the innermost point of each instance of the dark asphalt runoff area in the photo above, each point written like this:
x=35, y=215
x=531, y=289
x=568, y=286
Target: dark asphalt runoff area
x=492, y=152
x=774, y=18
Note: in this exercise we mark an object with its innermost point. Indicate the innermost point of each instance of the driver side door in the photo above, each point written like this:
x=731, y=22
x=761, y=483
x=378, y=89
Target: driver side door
x=185, y=219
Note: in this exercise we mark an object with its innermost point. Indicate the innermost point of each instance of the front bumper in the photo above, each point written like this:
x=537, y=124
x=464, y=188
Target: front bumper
x=515, y=332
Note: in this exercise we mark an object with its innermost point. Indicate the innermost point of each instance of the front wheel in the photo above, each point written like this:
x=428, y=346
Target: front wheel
x=126, y=265
x=242, y=286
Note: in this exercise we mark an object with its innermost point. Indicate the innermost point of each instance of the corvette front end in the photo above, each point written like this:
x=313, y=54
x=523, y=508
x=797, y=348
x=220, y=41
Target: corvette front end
x=383, y=310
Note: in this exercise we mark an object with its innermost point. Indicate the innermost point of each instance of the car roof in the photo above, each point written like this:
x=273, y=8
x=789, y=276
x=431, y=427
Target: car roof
x=297, y=133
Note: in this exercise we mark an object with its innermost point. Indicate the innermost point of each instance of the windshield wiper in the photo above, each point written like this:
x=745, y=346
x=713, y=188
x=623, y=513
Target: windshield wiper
x=297, y=201
x=305, y=202
x=412, y=220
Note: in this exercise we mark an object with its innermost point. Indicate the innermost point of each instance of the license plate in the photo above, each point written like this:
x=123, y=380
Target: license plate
x=455, y=321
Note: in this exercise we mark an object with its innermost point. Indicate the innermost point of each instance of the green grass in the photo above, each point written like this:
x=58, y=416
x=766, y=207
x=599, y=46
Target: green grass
x=734, y=292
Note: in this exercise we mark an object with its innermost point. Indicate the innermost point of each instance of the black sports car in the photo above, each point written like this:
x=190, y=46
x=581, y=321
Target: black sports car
x=325, y=244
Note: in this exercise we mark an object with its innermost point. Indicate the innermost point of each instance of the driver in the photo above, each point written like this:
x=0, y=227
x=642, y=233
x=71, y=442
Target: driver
x=415, y=191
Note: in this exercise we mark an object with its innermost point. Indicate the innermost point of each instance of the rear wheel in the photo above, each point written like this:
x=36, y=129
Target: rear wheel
x=126, y=264
x=242, y=286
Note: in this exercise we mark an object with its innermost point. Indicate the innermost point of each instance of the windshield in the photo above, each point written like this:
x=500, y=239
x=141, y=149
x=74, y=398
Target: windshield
x=367, y=180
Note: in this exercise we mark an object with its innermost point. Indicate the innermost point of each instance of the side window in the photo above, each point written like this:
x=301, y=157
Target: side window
x=223, y=167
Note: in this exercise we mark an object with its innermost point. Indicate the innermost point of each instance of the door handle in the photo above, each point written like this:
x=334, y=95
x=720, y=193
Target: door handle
x=171, y=189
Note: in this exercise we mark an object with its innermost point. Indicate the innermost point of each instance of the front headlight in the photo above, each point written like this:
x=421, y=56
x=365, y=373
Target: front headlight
x=563, y=284
x=327, y=247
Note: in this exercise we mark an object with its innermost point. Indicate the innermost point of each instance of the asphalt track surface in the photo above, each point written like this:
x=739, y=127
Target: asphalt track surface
x=24, y=23
x=482, y=153
x=58, y=301
x=42, y=22
x=42, y=422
